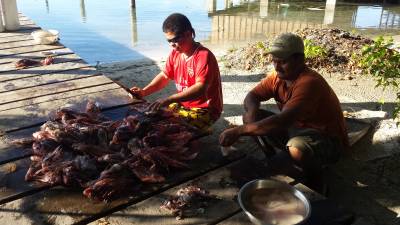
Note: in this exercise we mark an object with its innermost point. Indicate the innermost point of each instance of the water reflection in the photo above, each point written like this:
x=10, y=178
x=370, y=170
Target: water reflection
x=47, y=6
x=83, y=11
x=133, y=23
x=136, y=25
x=239, y=22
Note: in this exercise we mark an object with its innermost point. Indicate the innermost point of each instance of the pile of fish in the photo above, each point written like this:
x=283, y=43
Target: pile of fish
x=108, y=158
x=188, y=200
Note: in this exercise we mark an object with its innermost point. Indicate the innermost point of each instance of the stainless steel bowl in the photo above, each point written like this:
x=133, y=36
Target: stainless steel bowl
x=271, y=202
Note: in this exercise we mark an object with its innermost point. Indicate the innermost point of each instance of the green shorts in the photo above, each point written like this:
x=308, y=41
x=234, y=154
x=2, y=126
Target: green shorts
x=325, y=149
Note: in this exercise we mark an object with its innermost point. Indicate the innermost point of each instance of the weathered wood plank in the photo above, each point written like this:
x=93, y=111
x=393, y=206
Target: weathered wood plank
x=26, y=116
x=238, y=219
x=75, y=207
x=15, y=38
x=28, y=26
x=46, y=79
x=16, y=33
x=32, y=92
x=35, y=55
x=356, y=129
x=10, y=152
x=17, y=44
x=223, y=182
x=62, y=95
x=25, y=21
x=49, y=69
x=26, y=49
x=10, y=67
x=12, y=182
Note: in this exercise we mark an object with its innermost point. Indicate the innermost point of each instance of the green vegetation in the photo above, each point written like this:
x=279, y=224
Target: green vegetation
x=313, y=51
x=232, y=49
x=262, y=46
x=383, y=63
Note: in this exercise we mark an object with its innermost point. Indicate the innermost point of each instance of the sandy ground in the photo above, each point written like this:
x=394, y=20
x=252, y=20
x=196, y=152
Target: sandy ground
x=365, y=181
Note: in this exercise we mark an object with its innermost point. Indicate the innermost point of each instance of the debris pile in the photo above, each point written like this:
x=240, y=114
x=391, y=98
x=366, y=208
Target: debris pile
x=342, y=49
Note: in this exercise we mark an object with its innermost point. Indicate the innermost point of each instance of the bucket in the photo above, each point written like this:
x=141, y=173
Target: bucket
x=271, y=202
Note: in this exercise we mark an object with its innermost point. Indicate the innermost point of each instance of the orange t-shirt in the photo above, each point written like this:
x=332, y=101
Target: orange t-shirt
x=320, y=106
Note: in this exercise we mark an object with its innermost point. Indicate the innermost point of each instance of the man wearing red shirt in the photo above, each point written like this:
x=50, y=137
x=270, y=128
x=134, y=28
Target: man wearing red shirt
x=195, y=72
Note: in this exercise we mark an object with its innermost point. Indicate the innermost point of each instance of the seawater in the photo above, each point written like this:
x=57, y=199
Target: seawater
x=119, y=30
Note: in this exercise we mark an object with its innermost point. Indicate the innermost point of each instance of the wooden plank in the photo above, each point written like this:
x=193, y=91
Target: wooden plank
x=224, y=182
x=28, y=26
x=47, y=79
x=10, y=67
x=17, y=44
x=238, y=219
x=12, y=182
x=75, y=208
x=57, y=96
x=10, y=152
x=15, y=38
x=32, y=92
x=49, y=69
x=26, y=49
x=35, y=55
x=26, y=116
x=356, y=129
x=16, y=33
x=25, y=21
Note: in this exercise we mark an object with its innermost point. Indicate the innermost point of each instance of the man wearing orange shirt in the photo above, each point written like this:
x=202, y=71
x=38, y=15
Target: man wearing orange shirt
x=310, y=121
x=195, y=71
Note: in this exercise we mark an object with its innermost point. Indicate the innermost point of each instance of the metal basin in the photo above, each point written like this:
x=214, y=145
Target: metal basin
x=271, y=202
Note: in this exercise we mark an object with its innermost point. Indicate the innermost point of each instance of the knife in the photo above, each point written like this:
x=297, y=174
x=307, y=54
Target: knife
x=131, y=93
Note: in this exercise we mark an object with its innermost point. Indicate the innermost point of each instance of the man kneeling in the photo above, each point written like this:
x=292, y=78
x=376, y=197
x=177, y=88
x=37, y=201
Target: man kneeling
x=310, y=120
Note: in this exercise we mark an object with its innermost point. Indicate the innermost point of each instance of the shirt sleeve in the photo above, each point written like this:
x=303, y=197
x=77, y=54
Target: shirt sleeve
x=265, y=88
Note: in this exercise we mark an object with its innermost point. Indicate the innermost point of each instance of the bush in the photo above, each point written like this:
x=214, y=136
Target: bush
x=312, y=51
x=383, y=63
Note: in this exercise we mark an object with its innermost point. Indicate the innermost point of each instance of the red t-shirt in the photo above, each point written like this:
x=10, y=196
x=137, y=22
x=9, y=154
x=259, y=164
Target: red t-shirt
x=202, y=67
x=320, y=106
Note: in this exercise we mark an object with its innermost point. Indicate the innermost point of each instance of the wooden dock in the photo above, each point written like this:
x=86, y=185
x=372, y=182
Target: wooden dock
x=27, y=98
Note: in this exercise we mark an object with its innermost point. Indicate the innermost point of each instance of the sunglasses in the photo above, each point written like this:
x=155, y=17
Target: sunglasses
x=175, y=39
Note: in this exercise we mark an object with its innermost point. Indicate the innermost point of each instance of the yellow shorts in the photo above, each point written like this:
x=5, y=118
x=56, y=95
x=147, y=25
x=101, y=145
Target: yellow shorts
x=198, y=117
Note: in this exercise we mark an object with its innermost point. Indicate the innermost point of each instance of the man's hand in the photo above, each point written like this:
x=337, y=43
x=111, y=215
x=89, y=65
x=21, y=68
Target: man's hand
x=229, y=136
x=155, y=106
x=137, y=91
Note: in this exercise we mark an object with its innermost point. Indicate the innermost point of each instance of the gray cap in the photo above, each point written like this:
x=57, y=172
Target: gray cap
x=286, y=45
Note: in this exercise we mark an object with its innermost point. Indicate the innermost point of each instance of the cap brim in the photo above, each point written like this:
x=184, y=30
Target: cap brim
x=279, y=53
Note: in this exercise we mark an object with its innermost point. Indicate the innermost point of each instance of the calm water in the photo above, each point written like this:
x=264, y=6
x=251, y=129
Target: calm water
x=109, y=31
